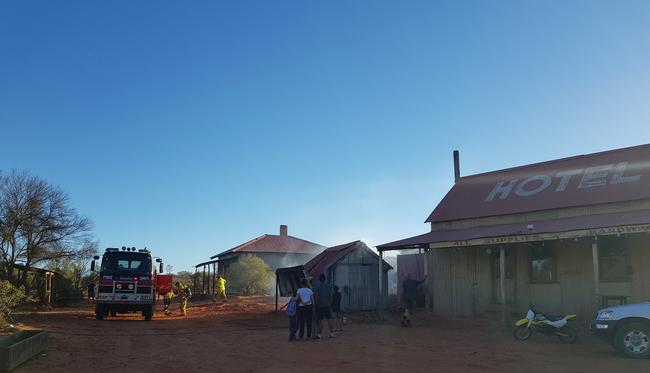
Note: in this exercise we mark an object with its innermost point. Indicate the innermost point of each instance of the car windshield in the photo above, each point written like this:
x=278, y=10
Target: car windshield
x=126, y=263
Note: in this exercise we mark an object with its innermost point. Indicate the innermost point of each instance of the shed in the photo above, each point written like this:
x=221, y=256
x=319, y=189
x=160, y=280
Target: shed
x=353, y=267
x=570, y=235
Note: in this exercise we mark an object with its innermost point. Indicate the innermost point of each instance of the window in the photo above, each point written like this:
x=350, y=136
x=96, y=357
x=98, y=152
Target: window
x=129, y=264
x=542, y=263
x=613, y=260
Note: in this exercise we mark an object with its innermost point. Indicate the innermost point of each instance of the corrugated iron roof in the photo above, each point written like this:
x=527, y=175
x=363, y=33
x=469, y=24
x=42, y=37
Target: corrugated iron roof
x=611, y=176
x=269, y=243
x=332, y=255
x=620, y=219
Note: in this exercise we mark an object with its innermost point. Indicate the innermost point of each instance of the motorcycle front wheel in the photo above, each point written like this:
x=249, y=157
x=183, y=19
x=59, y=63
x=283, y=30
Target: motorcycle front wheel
x=522, y=333
x=567, y=334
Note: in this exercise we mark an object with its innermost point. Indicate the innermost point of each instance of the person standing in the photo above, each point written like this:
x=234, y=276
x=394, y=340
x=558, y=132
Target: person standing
x=167, y=301
x=291, y=312
x=410, y=293
x=184, y=294
x=91, y=292
x=221, y=288
x=323, y=298
x=305, y=297
x=336, y=310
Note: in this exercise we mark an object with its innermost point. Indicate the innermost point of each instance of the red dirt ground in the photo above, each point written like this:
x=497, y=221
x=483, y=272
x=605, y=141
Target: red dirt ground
x=246, y=336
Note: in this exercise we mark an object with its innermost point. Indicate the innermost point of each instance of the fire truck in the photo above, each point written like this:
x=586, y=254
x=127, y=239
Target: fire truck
x=127, y=282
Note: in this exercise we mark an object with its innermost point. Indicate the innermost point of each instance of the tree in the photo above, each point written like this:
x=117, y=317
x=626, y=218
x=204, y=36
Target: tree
x=37, y=225
x=76, y=277
x=186, y=277
x=10, y=297
x=250, y=275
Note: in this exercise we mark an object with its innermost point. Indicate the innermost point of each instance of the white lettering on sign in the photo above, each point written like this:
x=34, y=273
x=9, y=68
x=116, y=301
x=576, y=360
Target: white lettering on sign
x=591, y=177
x=618, y=177
x=565, y=177
x=521, y=191
x=502, y=190
x=595, y=176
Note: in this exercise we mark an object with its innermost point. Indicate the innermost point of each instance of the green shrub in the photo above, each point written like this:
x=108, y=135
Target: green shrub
x=249, y=276
x=10, y=297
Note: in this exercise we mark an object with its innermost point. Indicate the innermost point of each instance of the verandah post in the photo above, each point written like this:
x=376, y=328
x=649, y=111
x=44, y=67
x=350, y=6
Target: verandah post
x=594, y=254
x=502, y=282
x=380, y=285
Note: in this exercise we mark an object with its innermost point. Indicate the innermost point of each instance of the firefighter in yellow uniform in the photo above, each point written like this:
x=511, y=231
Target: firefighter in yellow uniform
x=167, y=301
x=221, y=288
x=183, y=293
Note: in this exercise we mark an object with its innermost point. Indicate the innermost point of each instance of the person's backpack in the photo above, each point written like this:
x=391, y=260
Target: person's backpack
x=291, y=308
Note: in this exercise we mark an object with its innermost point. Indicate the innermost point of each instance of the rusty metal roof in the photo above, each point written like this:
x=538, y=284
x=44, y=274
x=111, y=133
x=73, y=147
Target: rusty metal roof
x=332, y=255
x=269, y=243
x=611, y=176
x=588, y=222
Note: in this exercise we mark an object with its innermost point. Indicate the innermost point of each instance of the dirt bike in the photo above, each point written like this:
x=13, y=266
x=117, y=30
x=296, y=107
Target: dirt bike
x=538, y=322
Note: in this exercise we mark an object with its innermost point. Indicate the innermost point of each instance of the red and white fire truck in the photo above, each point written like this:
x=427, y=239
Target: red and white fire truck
x=127, y=282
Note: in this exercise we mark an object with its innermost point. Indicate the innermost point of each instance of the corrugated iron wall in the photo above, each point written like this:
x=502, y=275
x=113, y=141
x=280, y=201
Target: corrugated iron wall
x=356, y=276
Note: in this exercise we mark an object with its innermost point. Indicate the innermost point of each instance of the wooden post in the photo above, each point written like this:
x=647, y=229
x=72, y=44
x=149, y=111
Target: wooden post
x=209, y=279
x=46, y=298
x=594, y=254
x=430, y=281
x=502, y=282
x=427, y=296
x=380, y=286
x=203, y=282
x=196, y=269
x=214, y=276
x=49, y=287
x=276, y=292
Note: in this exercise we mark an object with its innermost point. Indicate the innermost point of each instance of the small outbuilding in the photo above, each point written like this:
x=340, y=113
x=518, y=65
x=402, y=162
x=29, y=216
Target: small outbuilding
x=277, y=251
x=353, y=267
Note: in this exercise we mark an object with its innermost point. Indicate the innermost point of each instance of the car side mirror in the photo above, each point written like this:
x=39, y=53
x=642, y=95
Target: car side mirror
x=160, y=269
x=92, y=266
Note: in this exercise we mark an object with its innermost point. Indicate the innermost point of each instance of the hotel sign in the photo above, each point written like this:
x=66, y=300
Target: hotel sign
x=591, y=177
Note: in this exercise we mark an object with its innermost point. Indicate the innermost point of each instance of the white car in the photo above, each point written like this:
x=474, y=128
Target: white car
x=627, y=327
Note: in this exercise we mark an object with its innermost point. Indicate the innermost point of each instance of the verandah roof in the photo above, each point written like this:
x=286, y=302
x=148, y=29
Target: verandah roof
x=579, y=226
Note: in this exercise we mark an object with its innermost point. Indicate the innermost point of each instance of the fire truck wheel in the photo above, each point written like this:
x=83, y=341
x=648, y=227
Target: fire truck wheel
x=99, y=312
x=148, y=314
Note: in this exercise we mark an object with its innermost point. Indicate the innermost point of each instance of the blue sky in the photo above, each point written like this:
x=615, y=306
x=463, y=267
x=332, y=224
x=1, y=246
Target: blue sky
x=192, y=127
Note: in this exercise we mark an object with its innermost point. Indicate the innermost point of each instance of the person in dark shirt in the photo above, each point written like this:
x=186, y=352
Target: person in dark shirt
x=91, y=292
x=409, y=293
x=336, y=310
x=323, y=298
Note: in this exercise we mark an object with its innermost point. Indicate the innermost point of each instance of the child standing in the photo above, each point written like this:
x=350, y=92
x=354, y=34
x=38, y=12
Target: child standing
x=292, y=311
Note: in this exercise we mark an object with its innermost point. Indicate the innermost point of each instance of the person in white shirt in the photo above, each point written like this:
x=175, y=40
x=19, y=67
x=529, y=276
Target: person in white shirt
x=305, y=309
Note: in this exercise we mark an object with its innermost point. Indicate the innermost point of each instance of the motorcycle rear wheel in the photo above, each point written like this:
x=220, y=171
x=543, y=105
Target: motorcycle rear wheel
x=522, y=333
x=569, y=334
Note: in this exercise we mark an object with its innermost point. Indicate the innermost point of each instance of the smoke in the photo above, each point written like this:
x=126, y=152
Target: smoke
x=284, y=261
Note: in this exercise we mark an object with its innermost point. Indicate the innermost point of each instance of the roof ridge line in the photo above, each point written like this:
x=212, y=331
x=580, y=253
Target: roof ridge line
x=555, y=160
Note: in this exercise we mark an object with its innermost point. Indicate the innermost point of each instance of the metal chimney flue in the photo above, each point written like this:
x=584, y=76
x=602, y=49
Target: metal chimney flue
x=456, y=166
x=284, y=230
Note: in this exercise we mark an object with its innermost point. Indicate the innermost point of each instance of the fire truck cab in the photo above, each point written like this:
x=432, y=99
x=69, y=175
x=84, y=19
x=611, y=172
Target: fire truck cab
x=127, y=282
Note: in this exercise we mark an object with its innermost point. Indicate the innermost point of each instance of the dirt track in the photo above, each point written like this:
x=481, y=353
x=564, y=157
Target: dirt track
x=245, y=336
